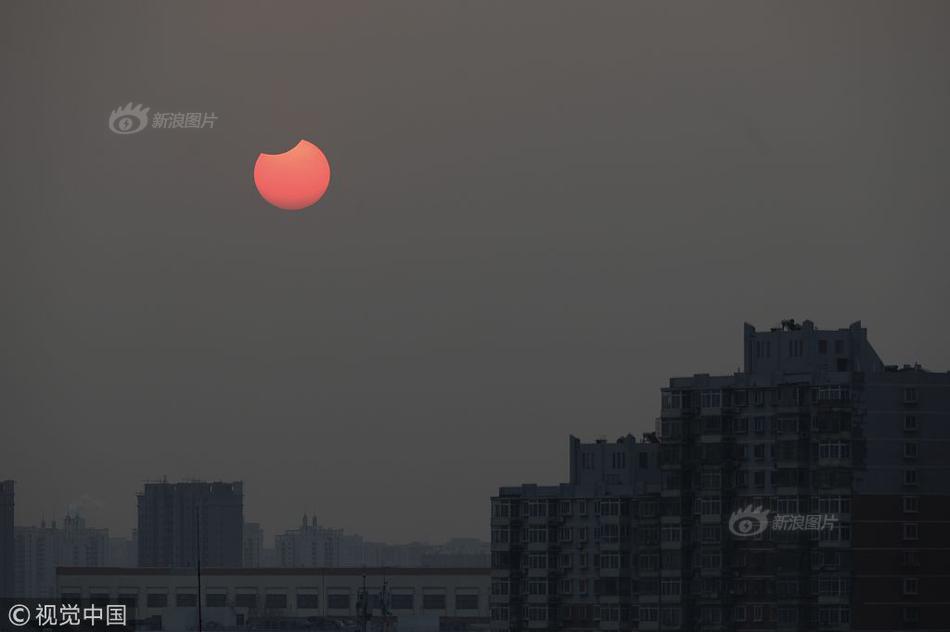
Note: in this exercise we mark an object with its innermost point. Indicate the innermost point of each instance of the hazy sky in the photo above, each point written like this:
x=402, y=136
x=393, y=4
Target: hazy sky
x=539, y=212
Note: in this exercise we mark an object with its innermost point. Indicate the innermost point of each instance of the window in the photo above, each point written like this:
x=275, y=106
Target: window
x=839, y=346
x=670, y=587
x=910, y=614
x=739, y=614
x=910, y=531
x=275, y=600
x=712, y=480
x=433, y=601
x=910, y=450
x=758, y=425
x=910, y=585
x=156, y=600
x=648, y=613
x=404, y=601
x=711, y=399
x=466, y=601
x=670, y=533
x=795, y=348
x=671, y=618
x=787, y=615
x=910, y=395
x=218, y=600
x=910, y=478
x=338, y=602
x=822, y=346
x=186, y=600
x=834, y=450
x=618, y=460
x=305, y=601
x=742, y=425
x=910, y=559
x=711, y=506
x=711, y=533
x=758, y=451
x=500, y=509
x=910, y=423
x=911, y=504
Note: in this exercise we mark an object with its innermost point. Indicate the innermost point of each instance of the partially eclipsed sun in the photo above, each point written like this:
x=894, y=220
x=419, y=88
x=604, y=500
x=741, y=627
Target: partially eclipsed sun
x=294, y=179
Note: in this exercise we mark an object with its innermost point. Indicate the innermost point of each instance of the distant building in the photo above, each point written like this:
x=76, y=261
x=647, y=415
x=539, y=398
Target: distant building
x=253, y=545
x=808, y=491
x=123, y=552
x=171, y=514
x=40, y=550
x=7, y=563
x=313, y=545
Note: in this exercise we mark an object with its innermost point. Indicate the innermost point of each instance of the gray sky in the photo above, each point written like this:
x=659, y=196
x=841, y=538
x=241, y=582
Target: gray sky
x=539, y=212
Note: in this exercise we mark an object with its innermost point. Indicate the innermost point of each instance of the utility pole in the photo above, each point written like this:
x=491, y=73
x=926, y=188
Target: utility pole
x=198, y=559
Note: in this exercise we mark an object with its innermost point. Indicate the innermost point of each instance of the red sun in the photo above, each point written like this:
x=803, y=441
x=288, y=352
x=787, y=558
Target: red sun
x=294, y=179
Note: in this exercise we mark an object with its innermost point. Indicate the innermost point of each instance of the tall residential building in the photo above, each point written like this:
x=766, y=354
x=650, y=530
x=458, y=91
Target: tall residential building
x=7, y=563
x=571, y=556
x=40, y=550
x=253, y=546
x=310, y=545
x=171, y=515
x=807, y=491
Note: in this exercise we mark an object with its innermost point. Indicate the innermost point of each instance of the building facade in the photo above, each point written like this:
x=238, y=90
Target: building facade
x=837, y=457
x=253, y=545
x=40, y=550
x=173, y=516
x=7, y=560
x=565, y=556
x=456, y=598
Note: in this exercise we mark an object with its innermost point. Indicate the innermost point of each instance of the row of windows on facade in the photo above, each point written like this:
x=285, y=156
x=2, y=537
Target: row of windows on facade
x=644, y=508
x=672, y=617
x=753, y=589
x=618, y=460
x=820, y=560
x=768, y=425
x=707, y=557
x=770, y=396
x=304, y=601
x=796, y=347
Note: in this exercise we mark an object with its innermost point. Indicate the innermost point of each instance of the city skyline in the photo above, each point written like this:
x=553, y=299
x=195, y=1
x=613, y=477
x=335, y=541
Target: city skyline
x=87, y=505
x=538, y=212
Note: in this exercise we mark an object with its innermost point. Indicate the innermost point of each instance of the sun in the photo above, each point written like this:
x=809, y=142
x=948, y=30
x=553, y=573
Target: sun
x=294, y=179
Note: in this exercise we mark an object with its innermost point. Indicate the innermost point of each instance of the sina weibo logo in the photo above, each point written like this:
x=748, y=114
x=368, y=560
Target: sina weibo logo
x=128, y=119
x=749, y=521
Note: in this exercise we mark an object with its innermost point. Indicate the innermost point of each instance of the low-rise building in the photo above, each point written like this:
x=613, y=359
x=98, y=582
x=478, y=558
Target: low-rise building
x=456, y=596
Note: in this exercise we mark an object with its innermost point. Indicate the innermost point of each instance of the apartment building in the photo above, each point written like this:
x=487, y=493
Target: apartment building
x=807, y=491
x=174, y=517
x=563, y=555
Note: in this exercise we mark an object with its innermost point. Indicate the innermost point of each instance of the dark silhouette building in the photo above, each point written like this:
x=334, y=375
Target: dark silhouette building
x=808, y=491
x=172, y=515
x=6, y=538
